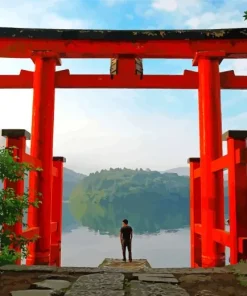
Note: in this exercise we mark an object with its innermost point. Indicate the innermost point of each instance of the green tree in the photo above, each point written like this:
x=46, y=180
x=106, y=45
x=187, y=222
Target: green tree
x=13, y=208
x=150, y=200
x=245, y=15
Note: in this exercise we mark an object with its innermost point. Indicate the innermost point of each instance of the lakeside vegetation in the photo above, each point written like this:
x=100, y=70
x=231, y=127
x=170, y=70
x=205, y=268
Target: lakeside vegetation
x=150, y=200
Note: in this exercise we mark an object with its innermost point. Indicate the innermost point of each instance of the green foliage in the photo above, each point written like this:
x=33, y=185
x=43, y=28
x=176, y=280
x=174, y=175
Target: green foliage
x=12, y=207
x=150, y=200
x=120, y=183
x=8, y=257
x=245, y=15
x=240, y=272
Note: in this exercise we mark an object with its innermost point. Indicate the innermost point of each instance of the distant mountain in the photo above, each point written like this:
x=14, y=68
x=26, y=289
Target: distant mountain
x=72, y=176
x=181, y=171
x=71, y=179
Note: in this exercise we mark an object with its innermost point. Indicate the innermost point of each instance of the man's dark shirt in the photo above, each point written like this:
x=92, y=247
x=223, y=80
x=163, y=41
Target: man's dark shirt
x=126, y=232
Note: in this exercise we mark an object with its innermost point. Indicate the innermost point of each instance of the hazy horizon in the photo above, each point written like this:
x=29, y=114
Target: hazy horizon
x=81, y=170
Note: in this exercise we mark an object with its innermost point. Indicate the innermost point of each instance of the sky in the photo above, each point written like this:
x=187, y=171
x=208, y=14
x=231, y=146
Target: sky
x=99, y=129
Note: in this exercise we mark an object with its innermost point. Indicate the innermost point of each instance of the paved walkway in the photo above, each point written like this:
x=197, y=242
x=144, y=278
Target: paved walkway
x=107, y=284
x=113, y=278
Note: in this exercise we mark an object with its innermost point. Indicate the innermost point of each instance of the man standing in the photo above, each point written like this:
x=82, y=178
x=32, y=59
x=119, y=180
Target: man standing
x=126, y=234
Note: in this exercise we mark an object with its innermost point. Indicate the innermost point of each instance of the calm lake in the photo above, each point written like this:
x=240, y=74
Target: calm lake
x=82, y=246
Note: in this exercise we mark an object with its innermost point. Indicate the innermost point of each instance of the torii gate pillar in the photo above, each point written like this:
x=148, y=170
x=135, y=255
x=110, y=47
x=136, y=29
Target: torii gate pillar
x=42, y=148
x=210, y=129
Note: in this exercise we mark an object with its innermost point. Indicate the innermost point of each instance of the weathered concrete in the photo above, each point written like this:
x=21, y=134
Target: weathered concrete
x=128, y=280
x=54, y=276
x=166, y=275
x=118, y=270
x=79, y=270
x=157, y=279
x=56, y=285
x=206, y=293
x=136, y=264
x=146, y=289
x=191, y=270
x=98, y=284
x=90, y=270
x=96, y=293
x=33, y=293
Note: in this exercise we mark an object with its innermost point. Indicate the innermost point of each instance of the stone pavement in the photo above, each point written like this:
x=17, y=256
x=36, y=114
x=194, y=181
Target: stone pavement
x=112, y=278
x=137, y=264
x=107, y=284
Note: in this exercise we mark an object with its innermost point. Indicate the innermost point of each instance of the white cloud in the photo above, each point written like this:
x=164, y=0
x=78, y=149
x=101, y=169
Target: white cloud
x=201, y=14
x=165, y=5
x=97, y=129
x=214, y=20
x=16, y=105
x=39, y=14
x=239, y=66
x=182, y=7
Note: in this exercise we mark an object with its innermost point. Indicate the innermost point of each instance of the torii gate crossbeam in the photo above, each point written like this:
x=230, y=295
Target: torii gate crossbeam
x=63, y=79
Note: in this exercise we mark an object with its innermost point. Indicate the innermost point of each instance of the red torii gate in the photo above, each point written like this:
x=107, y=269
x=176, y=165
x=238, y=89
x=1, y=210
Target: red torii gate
x=126, y=49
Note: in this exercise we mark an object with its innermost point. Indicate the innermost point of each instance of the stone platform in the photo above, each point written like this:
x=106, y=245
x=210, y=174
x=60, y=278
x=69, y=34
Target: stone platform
x=136, y=264
x=116, y=278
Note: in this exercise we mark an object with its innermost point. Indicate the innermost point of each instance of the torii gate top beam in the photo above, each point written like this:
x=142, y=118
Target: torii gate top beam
x=173, y=44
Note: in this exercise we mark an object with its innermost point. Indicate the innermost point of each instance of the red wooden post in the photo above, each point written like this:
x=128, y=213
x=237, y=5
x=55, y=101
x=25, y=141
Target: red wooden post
x=237, y=188
x=16, y=138
x=32, y=218
x=195, y=213
x=212, y=190
x=42, y=148
x=57, y=207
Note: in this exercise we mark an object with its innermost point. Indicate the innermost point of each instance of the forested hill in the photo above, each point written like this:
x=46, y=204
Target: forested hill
x=127, y=184
x=150, y=200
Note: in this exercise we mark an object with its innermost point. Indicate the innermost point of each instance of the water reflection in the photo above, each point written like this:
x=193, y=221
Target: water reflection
x=69, y=222
x=145, y=217
x=82, y=247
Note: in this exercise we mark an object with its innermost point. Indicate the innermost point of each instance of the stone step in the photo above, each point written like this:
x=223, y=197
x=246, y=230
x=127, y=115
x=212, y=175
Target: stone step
x=33, y=293
x=135, y=265
x=97, y=293
x=138, y=288
x=98, y=284
x=162, y=275
x=56, y=285
x=55, y=276
x=155, y=279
